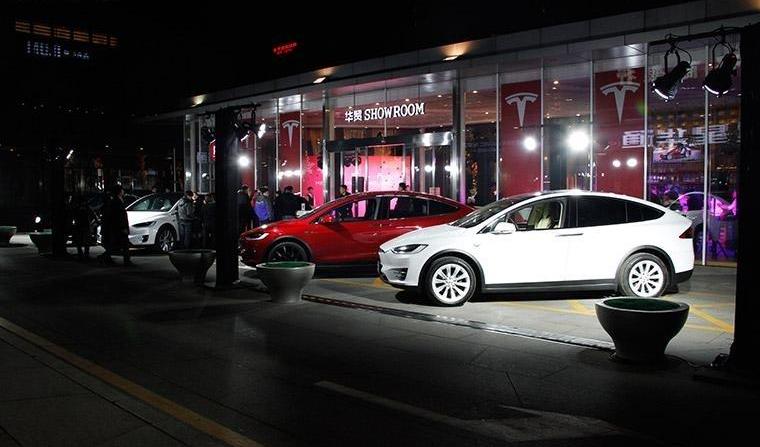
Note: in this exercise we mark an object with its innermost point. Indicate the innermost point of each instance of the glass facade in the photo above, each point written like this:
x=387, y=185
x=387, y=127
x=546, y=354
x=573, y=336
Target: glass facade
x=589, y=122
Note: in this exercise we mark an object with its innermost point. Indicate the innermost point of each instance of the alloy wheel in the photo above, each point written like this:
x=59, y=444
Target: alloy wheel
x=166, y=241
x=451, y=283
x=646, y=278
x=286, y=252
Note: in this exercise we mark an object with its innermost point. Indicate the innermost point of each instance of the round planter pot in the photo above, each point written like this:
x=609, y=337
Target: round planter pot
x=192, y=264
x=285, y=280
x=43, y=240
x=641, y=328
x=6, y=233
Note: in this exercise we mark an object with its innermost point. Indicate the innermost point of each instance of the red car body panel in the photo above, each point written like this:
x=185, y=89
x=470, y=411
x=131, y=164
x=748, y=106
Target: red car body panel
x=344, y=242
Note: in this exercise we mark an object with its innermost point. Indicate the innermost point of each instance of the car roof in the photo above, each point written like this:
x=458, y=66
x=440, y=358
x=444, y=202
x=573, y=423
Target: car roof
x=578, y=192
x=422, y=195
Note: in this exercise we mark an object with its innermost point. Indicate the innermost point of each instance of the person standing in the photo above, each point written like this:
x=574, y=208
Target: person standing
x=344, y=211
x=262, y=207
x=402, y=186
x=186, y=215
x=244, y=209
x=209, y=217
x=310, y=198
x=116, y=224
x=83, y=217
x=286, y=205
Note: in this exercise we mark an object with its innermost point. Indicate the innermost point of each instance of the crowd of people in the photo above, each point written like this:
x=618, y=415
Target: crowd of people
x=259, y=208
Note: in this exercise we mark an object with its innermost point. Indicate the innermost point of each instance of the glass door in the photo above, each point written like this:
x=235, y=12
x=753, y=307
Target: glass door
x=433, y=170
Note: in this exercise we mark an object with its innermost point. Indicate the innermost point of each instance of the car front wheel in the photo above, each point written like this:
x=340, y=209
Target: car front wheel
x=287, y=251
x=644, y=275
x=450, y=281
x=165, y=240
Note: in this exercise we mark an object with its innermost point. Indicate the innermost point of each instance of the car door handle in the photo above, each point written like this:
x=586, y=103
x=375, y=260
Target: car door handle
x=569, y=234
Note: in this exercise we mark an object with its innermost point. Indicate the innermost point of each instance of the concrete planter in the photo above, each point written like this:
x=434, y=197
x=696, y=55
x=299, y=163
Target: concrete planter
x=6, y=233
x=286, y=280
x=641, y=328
x=43, y=240
x=192, y=264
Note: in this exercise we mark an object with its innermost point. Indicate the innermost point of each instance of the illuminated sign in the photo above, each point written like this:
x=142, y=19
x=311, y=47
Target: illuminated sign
x=379, y=113
x=285, y=48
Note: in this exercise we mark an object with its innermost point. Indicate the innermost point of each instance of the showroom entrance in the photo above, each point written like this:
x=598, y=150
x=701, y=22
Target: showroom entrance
x=423, y=161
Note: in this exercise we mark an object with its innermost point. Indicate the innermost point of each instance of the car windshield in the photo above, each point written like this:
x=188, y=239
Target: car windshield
x=483, y=214
x=155, y=202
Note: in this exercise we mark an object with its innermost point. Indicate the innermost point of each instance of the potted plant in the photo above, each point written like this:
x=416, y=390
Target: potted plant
x=641, y=328
x=6, y=233
x=43, y=240
x=285, y=280
x=192, y=264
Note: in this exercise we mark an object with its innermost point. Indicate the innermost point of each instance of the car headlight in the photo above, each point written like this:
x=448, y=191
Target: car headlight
x=408, y=249
x=144, y=224
x=256, y=236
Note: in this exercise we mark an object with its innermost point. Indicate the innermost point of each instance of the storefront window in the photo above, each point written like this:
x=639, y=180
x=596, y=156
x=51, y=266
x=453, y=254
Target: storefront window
x=480, y=112
x=266, y=145
x=311, y=147
x=520, y=133
x=723, y=161
x=618, y=127
x=567, y=130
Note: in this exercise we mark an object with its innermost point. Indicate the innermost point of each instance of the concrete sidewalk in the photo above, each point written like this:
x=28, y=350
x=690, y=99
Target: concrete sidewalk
x=314, y=374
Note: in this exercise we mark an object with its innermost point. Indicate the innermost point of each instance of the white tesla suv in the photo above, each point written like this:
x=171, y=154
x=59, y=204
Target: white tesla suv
x=153, y=221
x=556, y=240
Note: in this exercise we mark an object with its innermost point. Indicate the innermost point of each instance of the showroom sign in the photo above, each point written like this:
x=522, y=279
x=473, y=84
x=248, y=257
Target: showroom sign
x=379, y=113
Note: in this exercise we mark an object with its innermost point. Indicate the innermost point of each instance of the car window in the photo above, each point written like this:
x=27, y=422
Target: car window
x=436, y=208
x=541, y=215
x=637, y=212
x=404, y=207
x=597, y=211
x=356, y=211
x=155, y=202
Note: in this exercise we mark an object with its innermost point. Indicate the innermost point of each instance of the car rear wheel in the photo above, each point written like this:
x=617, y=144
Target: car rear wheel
x=287, y=251
x=165, y=240
x=644, y=275
x=450, y=281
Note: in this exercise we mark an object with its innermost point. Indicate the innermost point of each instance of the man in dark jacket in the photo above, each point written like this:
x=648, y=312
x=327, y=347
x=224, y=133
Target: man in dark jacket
x=244, y=209
x=286, y=205
x=115, y=228
x=186, y=216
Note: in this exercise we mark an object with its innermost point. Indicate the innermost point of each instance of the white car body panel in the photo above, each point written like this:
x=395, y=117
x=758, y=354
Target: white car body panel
x=146, y=236
x=583, y=255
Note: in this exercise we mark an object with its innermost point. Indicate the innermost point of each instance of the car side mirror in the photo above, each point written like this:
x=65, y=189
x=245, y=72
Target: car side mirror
x=327, y=219
x=504, y=228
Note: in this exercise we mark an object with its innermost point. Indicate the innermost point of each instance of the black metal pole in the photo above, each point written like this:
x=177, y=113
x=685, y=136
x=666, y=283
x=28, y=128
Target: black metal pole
x=227, y=182
x=745, y=350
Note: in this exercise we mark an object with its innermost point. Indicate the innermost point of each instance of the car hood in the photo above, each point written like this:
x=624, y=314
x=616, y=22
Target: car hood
x=136, y=217
x=425, y=236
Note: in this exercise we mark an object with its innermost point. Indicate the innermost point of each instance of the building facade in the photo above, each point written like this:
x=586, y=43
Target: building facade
x=565, y=107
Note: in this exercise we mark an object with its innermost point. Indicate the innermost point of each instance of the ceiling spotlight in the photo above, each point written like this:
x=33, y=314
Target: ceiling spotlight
x=578, y=141
x=616, y=163
x=244, y=161
x=320, y=79
x=666, y=86
x=632, y=162
x=718, y=81
x=530, y=143
x=428, y=168
x=262, y=130
x=450, y=58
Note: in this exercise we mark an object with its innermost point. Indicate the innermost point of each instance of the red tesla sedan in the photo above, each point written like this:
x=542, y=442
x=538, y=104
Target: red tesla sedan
x=348, y=230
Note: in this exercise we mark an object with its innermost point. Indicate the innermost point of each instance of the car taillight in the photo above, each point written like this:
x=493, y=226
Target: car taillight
x=688, y=234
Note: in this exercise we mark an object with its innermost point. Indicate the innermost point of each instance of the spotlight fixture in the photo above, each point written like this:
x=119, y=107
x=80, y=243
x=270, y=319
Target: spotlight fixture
x=244, y=161
x=718, y=81
x=262, y=130
x=530, y=143
x=578, y=141
x=666, y=86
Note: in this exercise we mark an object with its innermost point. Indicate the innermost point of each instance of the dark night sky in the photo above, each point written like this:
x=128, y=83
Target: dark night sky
x=184, y=48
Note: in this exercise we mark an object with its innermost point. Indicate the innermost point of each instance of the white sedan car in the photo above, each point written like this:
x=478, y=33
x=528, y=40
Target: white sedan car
x=557, y=240
x=153, y=221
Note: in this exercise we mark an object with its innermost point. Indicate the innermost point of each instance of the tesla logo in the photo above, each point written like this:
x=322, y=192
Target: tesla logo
x=520, y=99
x=619, y=89
x=290, y=125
